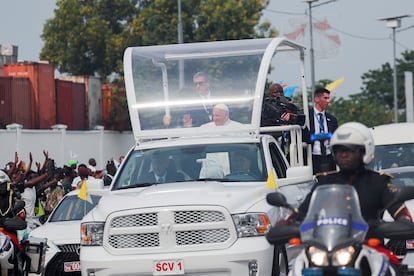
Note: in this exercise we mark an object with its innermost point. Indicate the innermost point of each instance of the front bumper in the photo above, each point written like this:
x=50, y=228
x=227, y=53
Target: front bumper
x=245, y=255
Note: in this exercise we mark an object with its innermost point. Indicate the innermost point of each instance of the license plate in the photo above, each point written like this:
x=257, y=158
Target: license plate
x=168, y=267
x=71, y=266
x=409, y=244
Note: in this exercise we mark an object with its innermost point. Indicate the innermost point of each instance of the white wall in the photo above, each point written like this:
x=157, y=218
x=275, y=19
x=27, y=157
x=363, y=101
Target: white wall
x=64, y=145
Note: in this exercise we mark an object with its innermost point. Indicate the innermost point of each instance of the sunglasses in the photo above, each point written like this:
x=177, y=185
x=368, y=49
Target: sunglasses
x=199, y=83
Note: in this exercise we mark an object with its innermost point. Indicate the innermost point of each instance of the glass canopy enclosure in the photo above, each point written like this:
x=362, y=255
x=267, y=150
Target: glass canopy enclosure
x=173, y=90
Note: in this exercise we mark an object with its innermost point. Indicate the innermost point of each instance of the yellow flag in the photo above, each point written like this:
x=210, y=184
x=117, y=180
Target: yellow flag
x=271, y=182
x=82, y=192
x=335, y=84
x=40, y=209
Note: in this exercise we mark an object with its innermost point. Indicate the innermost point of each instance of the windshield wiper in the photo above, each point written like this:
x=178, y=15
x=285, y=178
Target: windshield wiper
x=217, y=179
x=136, y=185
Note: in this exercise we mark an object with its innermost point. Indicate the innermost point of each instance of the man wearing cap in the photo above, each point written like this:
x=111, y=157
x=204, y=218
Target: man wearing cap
x=83, y=174
x=221, y=117
x=72, y=164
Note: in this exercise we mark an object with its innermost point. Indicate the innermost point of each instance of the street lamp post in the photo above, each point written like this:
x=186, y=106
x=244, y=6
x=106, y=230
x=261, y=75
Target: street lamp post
x=311, y=50
x=180, y=41
x=393, y=23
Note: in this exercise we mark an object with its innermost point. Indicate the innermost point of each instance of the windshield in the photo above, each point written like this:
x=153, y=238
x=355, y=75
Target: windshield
x=242, y=162
x=393, y=155
x=334, y=216
x=73, y=208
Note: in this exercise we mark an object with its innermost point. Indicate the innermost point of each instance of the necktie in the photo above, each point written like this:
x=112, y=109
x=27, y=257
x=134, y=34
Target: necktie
x=321, y=129
x=321, y=122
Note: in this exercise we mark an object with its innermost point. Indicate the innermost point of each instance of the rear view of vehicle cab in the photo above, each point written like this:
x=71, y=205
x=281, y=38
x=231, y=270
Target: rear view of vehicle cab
x=394, y=145
x=207, y=213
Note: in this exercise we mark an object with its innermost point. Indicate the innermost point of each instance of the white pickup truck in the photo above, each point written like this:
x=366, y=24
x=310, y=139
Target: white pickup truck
x=209, y=217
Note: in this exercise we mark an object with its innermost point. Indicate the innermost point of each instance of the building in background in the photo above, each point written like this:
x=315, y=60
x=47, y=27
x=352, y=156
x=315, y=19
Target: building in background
x=32, y=96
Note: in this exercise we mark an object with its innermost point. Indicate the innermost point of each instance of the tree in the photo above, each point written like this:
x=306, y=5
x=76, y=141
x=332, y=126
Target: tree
x=378, y=84
x=89, y=37
x=375, y=104
x=85, y=37
x=370, y=112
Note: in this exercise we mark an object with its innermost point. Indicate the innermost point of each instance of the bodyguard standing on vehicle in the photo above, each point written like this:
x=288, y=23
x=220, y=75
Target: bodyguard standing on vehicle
x=321, y=121
x=353, y=147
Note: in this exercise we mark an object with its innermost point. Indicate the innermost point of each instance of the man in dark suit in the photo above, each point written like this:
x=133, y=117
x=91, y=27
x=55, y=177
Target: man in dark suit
x=321, y=121
x=197, y=115
x=162, y=171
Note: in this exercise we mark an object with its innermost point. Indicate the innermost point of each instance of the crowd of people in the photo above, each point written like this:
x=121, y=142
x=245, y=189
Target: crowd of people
x=41, y=185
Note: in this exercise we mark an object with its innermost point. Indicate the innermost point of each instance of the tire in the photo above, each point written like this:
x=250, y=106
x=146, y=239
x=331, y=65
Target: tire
x=393, y=270
x=280, y=262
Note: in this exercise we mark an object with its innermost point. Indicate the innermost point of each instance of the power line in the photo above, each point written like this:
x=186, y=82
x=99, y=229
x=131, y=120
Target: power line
x=352, y=35
x=285, y=12
x=363, y=37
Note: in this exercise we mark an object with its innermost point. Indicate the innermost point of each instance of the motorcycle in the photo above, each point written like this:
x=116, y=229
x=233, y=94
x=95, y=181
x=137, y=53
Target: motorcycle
x=19, y=258
x=331, y=240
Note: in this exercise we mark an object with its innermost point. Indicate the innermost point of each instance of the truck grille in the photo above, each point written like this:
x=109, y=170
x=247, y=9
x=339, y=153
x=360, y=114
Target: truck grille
x=69, y=247
x=202, y=237
x=55, y=267
x=169, y=230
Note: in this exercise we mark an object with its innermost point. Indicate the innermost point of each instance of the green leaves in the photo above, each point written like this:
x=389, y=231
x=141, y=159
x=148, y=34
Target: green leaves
x=374, y=104
x=89, y=37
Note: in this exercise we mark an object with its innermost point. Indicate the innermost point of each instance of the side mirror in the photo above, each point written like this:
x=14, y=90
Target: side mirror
x=278, y=199
x=18, y=206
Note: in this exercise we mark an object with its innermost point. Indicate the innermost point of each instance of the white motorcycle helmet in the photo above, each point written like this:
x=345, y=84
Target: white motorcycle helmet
x=4, y=178
x=355, y=134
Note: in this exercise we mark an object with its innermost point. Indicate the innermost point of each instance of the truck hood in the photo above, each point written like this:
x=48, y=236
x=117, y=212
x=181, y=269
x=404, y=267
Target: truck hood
x=63, y=232
x=235, y=197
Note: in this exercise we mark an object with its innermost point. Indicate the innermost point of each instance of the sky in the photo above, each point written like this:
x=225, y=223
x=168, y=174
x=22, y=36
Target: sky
x=365, y=43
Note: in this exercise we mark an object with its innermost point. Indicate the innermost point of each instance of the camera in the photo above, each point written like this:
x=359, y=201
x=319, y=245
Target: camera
x=273, y=108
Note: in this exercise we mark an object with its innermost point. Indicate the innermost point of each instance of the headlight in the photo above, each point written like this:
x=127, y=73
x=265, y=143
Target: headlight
x=92, y=233
x=317, y=256
x=251, y=224
x=343, y=256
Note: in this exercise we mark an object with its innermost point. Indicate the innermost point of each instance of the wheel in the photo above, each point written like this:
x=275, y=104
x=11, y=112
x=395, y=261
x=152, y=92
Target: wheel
x=280, y=262
x=393, y=270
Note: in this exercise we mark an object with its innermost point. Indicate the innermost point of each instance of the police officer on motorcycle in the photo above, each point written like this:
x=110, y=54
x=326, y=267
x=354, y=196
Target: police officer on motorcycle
x=353, y=147
x=10, y=222
x=7, y=197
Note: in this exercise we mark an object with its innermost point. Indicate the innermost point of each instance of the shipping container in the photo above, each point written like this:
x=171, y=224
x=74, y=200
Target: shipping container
x=115, y=114
x=106, y=103
x=93, y=94
x=5, y=101
x=70, y=104
x=16, y=102
x=80, y=118
x=42, y=78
